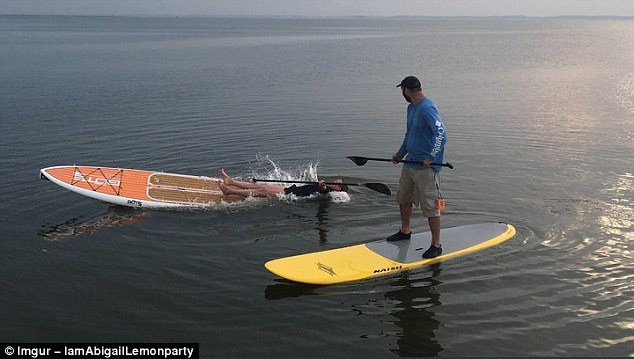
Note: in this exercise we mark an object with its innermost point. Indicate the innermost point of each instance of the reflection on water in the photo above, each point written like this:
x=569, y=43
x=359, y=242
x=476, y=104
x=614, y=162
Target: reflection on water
x=407, y=312
x=321, y=224
x=618, y=220
x=286, y=289
x=623, y=93
x=413, y=299
x=407, y=307
x=116, y=216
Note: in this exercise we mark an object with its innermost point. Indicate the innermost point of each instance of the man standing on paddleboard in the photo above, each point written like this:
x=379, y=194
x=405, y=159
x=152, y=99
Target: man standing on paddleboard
x=419, y=184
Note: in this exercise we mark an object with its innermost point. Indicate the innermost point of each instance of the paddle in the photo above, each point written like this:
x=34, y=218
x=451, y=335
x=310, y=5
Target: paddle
x=360, y=161
x=379, y=187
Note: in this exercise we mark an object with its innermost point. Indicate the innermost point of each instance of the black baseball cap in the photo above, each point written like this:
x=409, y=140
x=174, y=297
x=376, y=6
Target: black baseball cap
x=410, y=82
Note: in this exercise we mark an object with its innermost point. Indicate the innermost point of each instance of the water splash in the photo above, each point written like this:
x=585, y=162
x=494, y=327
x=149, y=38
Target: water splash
x=273, y=171
x=267, y=169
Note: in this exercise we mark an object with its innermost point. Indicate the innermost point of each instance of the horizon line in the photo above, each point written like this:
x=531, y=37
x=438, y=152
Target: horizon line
x=334, y=16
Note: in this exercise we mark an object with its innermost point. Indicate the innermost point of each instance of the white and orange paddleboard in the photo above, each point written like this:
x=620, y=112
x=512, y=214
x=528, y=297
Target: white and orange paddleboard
x=138, y=188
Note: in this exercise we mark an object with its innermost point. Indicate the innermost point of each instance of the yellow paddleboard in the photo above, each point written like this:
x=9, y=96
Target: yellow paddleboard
x=379, y=258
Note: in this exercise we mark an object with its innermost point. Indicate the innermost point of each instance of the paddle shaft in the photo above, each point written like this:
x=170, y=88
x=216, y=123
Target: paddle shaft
x=307, y=182
x=379, y=187
x=407, y=161
x=362, y=160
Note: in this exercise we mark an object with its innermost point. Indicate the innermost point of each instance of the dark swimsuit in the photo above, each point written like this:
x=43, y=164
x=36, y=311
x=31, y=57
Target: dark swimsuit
x=303, y=191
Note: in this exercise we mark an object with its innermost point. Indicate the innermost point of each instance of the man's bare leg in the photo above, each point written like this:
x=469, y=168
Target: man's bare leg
x=406, y=215
x=434, y=226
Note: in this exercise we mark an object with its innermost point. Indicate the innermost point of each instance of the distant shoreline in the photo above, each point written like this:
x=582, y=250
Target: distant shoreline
x=400, y=17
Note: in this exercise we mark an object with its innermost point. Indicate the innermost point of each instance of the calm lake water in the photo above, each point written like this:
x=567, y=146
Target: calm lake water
x=540, y=121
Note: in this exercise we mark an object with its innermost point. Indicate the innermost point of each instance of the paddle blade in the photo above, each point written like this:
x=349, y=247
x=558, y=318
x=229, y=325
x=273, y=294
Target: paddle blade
x=359, y=161
x=379, y=187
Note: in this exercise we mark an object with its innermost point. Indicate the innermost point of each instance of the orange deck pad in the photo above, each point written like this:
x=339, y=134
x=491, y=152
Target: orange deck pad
x=113, y=181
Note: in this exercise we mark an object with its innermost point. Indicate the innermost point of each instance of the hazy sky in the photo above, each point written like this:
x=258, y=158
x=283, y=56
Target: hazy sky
x=321, y=7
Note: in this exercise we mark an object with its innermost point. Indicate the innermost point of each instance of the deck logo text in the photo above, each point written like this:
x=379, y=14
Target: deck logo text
x=99, y=181
x=389, y=269
x=327, y=269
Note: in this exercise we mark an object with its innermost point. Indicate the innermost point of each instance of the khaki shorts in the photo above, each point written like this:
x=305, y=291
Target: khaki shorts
x=420, y=187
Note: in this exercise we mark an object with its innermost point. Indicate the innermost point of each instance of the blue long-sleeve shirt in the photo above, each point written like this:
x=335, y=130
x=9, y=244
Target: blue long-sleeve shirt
x=425, y=137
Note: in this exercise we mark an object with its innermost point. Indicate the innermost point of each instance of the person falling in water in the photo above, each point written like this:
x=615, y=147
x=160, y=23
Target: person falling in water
x=251, y=189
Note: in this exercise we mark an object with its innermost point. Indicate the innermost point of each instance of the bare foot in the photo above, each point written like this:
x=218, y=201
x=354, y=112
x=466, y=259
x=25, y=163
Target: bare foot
x=223, y=187
x=225, y=177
